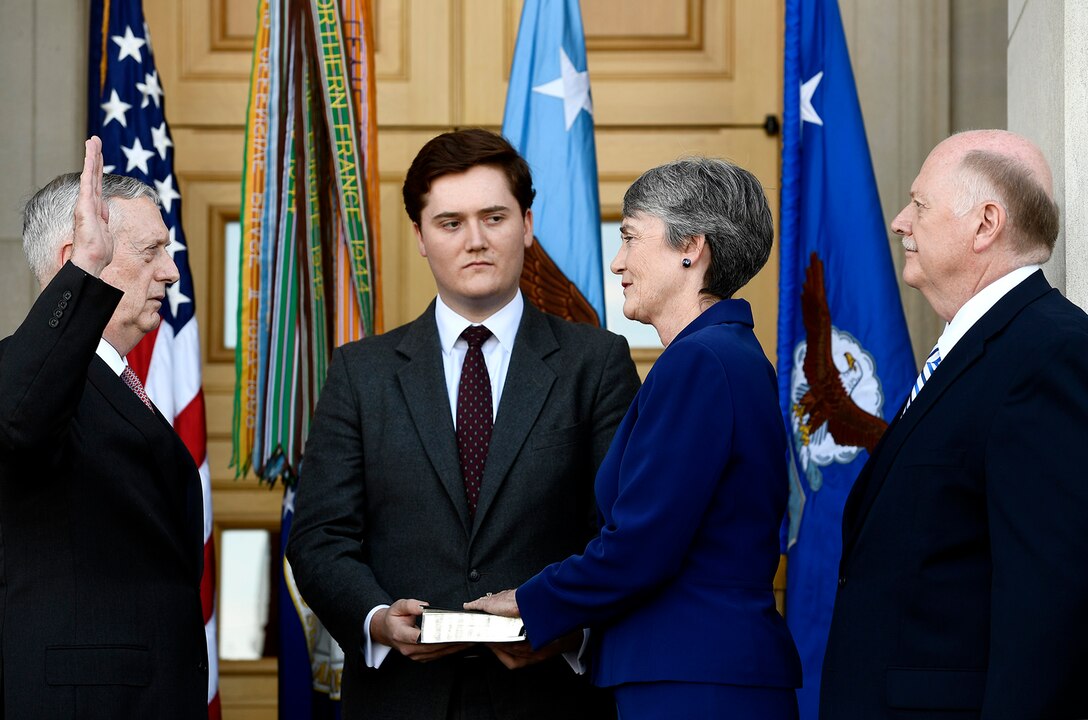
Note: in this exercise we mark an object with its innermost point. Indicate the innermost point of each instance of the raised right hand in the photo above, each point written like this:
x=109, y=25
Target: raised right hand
x=92, y=242
x=395, y=626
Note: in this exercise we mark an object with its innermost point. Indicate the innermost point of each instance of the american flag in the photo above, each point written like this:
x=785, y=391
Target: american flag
x=126, y=109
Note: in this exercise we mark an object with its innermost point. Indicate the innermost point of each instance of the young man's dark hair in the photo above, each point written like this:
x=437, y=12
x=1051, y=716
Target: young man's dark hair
x=459, y=151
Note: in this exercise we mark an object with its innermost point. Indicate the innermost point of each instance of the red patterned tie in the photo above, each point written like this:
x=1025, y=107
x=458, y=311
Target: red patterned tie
x=137, y=387
x=474, y=414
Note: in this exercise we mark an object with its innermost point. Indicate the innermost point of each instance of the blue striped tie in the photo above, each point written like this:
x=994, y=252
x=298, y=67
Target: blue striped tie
x=932, y=362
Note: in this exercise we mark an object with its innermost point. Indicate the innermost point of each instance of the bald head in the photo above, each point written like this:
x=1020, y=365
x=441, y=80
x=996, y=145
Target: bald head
x=1003, y=167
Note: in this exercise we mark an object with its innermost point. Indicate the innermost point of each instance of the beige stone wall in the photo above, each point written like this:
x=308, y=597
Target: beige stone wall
x=1048, y=101
x=43, y=51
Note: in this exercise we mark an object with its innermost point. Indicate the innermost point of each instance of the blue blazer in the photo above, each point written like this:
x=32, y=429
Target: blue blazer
x=677, y=585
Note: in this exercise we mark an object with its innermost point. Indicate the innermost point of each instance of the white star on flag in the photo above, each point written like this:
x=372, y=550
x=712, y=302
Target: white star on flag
x=175, y=298
x=167, y=193
x=572, y=86
x=130, y=46
x=115, y=110
x=160, y=139
x=107, y=169
x=174, y=247
x=288, y=501
x=137, y=156
x=808, y=113
x=150, y=88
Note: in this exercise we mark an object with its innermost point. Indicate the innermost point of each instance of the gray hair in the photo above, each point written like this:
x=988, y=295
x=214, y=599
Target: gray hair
x=714, y=198
x=1032, y=213
x=47, y=216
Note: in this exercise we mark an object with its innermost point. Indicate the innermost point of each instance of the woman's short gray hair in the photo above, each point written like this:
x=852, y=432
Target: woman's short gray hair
x=716, y=199
x=47, y=216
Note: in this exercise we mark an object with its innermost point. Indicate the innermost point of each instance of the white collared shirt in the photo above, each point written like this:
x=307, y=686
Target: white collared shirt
x=973, y=310
x=496, y=349
x=109, y=354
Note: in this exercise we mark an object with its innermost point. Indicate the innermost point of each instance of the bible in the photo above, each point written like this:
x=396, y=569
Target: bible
x=445, y=626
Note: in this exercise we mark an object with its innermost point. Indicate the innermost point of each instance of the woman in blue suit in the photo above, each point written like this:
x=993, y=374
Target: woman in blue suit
x=676, y=588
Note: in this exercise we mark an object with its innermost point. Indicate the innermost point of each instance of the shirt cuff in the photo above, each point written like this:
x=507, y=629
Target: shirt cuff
x=375, y=653
x=575, y=660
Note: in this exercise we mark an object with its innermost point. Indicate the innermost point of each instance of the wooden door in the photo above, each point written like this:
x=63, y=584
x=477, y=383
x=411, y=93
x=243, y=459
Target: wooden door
x=670, y=78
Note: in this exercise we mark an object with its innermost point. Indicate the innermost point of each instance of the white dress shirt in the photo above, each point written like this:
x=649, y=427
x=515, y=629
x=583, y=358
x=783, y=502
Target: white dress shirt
x=973, y=310
x=110, y=355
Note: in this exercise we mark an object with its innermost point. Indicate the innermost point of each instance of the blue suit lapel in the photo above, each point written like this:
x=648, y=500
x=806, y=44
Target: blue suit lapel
x=423, y=382
x=966, y=354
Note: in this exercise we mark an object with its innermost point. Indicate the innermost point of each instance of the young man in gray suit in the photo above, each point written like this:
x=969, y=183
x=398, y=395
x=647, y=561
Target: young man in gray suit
x=455, y=456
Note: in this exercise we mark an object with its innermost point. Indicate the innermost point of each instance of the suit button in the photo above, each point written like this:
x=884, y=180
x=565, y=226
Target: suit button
x=842, y=580
x=58, y=314
x=67, y=295
x=474, y=575
x=62, y=304
x=53, y=322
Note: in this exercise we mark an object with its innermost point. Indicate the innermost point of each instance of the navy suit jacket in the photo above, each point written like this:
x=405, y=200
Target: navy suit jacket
x=677, y=585
x=101, y=528
x=962, y=589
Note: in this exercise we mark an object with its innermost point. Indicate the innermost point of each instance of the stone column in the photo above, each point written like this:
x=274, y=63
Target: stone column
x=43, y=53
x=1048, y=102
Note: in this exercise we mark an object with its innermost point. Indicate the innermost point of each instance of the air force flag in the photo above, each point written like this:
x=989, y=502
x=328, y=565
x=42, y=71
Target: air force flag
x=844, y=357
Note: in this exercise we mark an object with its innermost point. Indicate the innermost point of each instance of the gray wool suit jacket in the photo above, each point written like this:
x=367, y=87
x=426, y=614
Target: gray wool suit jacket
x=381, y=512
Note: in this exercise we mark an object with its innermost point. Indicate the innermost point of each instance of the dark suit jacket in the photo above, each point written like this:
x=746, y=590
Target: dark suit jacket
x=101, y=528
x=381, y=511
x=677, y=586
x=962, y=589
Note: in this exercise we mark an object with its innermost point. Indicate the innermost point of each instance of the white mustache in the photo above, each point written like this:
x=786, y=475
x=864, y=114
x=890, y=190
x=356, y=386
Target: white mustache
x=909, y=244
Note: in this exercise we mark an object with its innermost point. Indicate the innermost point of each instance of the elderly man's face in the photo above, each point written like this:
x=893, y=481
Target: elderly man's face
x=141, y=267
x=647, y=266
x=936, y=241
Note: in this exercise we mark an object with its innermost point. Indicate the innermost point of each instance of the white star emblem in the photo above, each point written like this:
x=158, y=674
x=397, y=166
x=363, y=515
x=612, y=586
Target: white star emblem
x=808, y=113
x=175, y=297
x=174, y=247
x=147, y=36
x=161, y=140
x=150, y=88
x=115, y=110
x=130, y=46
x=572, y=86
x=167, y=193
x=137, y=156
x=107, y=169
x=288, y=501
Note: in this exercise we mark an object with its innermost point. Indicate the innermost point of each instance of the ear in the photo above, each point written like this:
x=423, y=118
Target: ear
x=992, y=220
x=419, y=239
x=696, y=249
x=528, y=228
x=65, y=252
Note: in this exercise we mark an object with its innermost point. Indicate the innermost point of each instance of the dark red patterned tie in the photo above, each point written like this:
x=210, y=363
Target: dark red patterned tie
x=137, y=387
x=474, y=414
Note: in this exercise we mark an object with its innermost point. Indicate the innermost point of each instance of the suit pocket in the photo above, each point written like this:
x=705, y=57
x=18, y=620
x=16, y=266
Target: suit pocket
x=98, y=665
x=559, y=436
x=930, y=689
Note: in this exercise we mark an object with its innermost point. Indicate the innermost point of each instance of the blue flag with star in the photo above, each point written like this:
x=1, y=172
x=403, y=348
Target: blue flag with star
x=844, y=356
x=549, y=119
